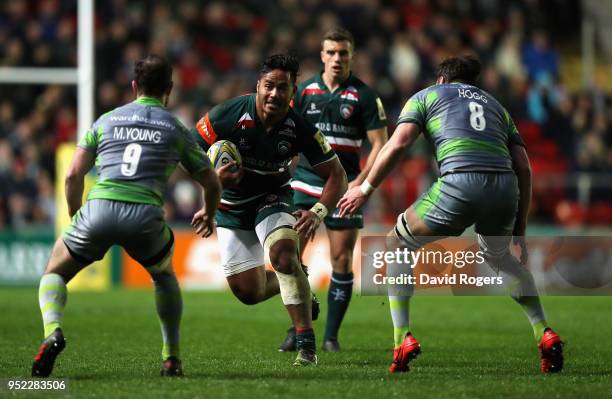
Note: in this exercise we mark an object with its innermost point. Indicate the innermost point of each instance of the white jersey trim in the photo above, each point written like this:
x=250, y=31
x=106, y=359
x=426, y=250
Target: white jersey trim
x=307, y=188
x=344, y=141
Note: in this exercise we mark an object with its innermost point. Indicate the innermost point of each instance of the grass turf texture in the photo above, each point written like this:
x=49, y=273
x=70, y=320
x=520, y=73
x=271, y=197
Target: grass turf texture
x=472, y=347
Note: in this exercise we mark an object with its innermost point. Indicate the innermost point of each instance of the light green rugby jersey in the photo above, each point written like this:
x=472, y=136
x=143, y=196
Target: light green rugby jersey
x=468, y=128
x=137, y=148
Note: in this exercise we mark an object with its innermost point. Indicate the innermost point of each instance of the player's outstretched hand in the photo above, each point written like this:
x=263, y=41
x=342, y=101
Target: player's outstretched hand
x=230, y=174
x=520, y=241
x=203, y=223
x=351, y=201
x=307, y=223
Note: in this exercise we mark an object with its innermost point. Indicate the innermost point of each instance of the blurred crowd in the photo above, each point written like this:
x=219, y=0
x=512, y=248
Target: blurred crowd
x=217, y=46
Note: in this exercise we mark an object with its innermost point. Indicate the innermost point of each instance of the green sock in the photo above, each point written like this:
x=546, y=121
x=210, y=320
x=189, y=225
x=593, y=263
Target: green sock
x=52, y=300
x=538, y=329
x=338, y=298
x=169, y=309
x=400, y=307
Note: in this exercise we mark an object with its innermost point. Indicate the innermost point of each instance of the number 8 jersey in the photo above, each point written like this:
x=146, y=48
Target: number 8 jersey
x=468, y=128
x=137, y=148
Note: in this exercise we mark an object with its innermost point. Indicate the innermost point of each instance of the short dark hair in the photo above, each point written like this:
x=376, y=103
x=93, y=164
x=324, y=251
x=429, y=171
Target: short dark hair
x=153, y=75
x=284, y=62
x=464, y=68
x=339, y=34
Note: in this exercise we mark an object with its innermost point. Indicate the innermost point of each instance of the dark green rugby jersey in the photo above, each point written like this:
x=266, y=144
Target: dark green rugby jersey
x=468, y=128
x=265, y=155
x=344, y=117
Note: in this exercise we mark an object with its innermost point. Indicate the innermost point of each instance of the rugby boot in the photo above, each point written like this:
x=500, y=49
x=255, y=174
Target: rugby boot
x=306, y=357
x=551, y=352
x=172, y=367
x=52, y=346
x=402, y=355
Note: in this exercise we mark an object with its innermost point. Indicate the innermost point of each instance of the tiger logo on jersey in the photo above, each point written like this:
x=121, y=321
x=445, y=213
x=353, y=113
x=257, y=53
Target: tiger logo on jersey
x=346, y=110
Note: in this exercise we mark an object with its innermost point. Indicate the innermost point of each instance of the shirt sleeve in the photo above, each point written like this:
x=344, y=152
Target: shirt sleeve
x=414, y=111
x=296, y=100
x=373, y=115
x=192, y=156
x=513, y=134
x=91, y=138
x=314, y=145
x=209, y=126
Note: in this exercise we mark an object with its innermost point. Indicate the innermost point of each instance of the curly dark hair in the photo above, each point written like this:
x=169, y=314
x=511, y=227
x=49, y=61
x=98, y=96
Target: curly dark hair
x=464, y=68
x=153, y=75
x=284, y=62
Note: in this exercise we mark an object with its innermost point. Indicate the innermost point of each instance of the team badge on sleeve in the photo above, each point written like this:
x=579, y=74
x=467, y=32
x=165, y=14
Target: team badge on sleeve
x=206, y=130
x=322, y=142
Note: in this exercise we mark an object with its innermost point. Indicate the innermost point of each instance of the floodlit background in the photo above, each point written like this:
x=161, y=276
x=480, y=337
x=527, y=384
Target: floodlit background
x=548, y=62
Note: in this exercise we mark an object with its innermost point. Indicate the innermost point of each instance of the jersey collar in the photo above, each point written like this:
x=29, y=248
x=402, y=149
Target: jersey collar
x=319, y=79
x=150, y=101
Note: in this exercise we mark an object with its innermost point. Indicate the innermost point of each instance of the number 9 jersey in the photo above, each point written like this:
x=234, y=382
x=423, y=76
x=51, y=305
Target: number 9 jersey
x=470, y=131
x=137, y=148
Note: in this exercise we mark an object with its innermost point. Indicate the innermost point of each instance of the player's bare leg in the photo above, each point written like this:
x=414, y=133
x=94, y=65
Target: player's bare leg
x=295, y=290
x=289, y=343
x=254, y=285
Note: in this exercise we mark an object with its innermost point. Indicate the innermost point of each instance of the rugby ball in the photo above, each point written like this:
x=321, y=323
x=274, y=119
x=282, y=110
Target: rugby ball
x=223, y=152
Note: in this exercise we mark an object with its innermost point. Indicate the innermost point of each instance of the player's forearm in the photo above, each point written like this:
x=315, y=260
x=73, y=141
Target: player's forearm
x=404, y=135
x=524, y=183
x=386, y=160
x=369, y=163
x=74, y=186
x=522, y=168
x=212, y=190
x=335, y=186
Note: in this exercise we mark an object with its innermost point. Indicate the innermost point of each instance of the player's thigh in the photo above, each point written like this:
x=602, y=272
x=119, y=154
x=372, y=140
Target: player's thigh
x=452, y=204
x=275, y=220
x=61, y=261
x=498, y=209
x=145, y=235
x=240, y=251
x=280, y=241
x=92, y=231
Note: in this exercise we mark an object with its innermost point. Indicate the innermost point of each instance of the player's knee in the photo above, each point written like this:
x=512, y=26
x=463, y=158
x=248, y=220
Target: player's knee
x=63, y=262
x=163, y=267
x=342, y=261
x=247, y=294
x=282, y=247
x=249, y=298
x=401, y=236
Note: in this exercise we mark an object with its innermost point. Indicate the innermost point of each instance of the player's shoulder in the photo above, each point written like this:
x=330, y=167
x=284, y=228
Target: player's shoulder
x=233, y=107
x=297, y=122
x=311, y=86
x=119, y=114
x=355, y=83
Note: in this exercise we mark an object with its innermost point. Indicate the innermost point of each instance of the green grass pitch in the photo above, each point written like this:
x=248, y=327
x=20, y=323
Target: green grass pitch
x=472, y=347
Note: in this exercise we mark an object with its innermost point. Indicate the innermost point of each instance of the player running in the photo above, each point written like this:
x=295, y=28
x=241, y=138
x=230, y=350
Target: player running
x=347, y=111
x=485, y=180
x=256, y=217
x=136, y=148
